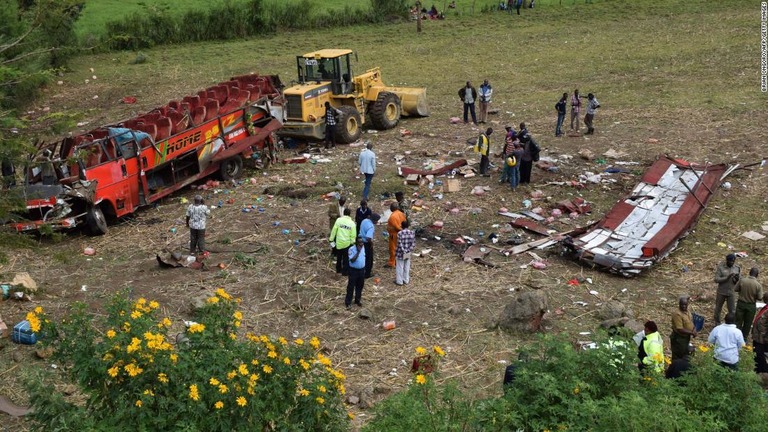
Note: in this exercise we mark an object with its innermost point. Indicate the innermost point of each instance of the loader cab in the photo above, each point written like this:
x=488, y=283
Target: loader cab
x=329, y=65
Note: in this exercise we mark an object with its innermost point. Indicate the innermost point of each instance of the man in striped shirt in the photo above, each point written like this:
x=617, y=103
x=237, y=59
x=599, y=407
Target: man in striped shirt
x=406, y=241
x=330, y=125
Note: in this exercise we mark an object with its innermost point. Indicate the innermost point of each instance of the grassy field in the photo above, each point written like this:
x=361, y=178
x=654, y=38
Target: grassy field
x=685, y=73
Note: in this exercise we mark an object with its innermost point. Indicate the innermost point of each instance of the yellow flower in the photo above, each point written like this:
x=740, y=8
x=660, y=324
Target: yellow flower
x=272, y=354
x=238, y=324
x=214, y=381
x=165, y=323
x=218, y=405
x=323, y=360
x=223, y=388
x=141, y=301
x=138, y=403
x=212, y=300
x=231, y=374
x=304, y=364
x=287, y=361
x=351, y=416
x=255, y=362
x=149, y=392
x=233, y=336
x=39, y=310
x=193, y=393
x=108, y=357
x=320, y=400
x=439, y=351
x=421, y=379
x=133, y=369
x=304, y=392
x=241, y=401
x=113, y=371
x=174, y=358
x=421, y=351
x=154, y=305
x=126, y=326
x=196, y=328
x=748, y=348
x=243, y=369
x=253, y=378
x=322, y=389
x=136, y=314
x=238, y=315
x=267, y=369
x=223, y=294
x=34, y=322
x=282, y=341
x=314, y=342
x=703, y=348
x=163, y=378
x=111, y=333
x=576, y=391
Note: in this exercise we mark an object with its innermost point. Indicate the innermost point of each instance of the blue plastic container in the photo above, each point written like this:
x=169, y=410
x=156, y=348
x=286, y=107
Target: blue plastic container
x=698, y=322
x=22, y=334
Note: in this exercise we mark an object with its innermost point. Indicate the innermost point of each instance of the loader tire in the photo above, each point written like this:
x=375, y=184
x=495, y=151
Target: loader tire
x=349, y=126
x=231, y=168
x=95, y=221
x=385, y=113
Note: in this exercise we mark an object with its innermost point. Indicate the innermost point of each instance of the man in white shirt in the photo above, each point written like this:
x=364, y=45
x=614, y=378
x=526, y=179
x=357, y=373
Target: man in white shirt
x=197, y=214
x=367, y=161
x=728, y=340
x=592, y=106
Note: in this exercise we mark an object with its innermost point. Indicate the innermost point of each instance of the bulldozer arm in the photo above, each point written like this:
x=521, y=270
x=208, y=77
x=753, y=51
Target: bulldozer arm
x=413, y=100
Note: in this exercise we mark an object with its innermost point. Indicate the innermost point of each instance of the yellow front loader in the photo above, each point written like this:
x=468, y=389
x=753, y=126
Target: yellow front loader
x=326, y=76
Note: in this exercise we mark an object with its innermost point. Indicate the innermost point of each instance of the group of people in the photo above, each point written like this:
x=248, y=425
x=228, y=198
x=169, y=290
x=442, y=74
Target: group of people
x=352, y=243
x=518, y=154
x=576, y=104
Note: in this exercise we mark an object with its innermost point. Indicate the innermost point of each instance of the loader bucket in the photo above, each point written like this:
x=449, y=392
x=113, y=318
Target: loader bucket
x=413, y=100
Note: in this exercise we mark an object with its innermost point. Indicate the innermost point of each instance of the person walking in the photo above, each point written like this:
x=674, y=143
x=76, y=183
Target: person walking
x=331, y=116
x=356, y=281
x=575, y=109
x=367, y=162
x=197, y=215
x=336, y=210
x=750, y=291
x=342, y=236
x=526, y=161
x=760, y=337
x=368, y=234
x=483, y=146
x=560, y=107
x=651, y=349
x=727, y=340
x=468, y=96
x=727, y=275
x=592, y=106
x=682, y=329
x=394, y=225
x=406, y=241
x=362, y=214
x=486, y=91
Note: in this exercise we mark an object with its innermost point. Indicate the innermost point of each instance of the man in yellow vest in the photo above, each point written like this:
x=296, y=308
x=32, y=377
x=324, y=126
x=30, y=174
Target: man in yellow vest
x=483, y=146
x=651, y=350
x=343, y=236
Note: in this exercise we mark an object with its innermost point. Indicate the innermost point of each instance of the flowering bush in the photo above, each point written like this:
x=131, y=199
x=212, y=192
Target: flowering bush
x=133, y=377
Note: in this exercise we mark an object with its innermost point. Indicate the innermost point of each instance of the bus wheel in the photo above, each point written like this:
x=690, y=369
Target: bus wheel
x=231, y=168
x=96, y=222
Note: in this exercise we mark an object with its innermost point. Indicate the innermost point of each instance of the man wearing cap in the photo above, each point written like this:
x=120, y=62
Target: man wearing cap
x=197, y=214
x=682, y=329
x=750, y=291
x=727, y=276
x=356, y=254
x=367, y=232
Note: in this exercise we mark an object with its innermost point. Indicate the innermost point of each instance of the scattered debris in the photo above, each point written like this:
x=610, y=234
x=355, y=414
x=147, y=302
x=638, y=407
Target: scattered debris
x=753, y=235
x=388, y=325
x=404, y=171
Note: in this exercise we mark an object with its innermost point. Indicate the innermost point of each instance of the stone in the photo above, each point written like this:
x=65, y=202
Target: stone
x=353, y=400
x=634, y=325
x=525, y=312
x=455, y=310
x=612, y=310
x=365, y=314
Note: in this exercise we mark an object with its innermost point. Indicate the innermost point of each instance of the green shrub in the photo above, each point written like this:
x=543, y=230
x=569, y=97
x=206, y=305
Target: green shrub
x=131, y=376
x=559, y=388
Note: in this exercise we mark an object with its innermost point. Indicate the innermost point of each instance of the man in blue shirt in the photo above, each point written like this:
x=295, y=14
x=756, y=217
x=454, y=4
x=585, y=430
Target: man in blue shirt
x=367, y=232
x=356, y=273
x=367, y=161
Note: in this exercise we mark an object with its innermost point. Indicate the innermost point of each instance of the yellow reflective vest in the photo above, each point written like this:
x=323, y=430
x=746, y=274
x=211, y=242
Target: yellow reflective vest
x=654, y=350
x=482, y=145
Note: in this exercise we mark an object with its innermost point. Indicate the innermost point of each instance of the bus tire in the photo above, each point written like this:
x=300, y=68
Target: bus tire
x=95, y=221
x=231, y=168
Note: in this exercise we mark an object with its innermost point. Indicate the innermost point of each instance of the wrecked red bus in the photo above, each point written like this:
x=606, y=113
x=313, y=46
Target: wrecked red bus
x=113, y=170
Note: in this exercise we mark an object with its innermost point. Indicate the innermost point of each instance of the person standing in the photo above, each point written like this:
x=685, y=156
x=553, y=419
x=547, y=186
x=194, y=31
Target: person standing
x=406, y=241
x=750, y=291
x=560, y=107
x=356, y=281
x=575, y=109
x=727, y=276
x=468, y=96
x=367, y=162
x=727, y=340
x=362, y=214
x=197, y=215
x=486, y=91
x=518, y=5
x=342, y=236
x=682, y=329
x=760, y=337
x=526, y=161
x=368, y=234
x=509, y=146
x=394, y=225
x=483, y=147
x=592, y=106
x=651, y=349
x=335, y=211
x=404, y=205
x=331, y=115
